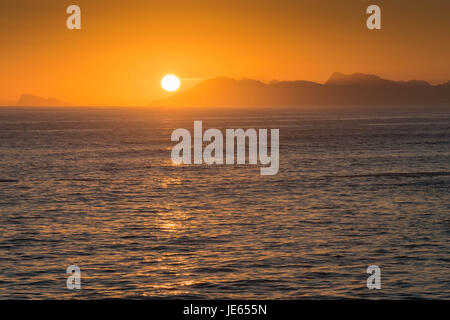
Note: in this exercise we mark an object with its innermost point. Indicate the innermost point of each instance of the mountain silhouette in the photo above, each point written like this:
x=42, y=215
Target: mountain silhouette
x=30, y=100
x=339, y=90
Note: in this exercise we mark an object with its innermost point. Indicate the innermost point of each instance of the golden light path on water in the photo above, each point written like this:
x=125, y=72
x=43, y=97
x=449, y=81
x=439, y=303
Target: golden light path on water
x=98, y=190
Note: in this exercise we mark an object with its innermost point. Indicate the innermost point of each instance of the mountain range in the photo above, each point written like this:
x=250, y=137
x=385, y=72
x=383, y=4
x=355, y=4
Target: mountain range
x=339, y=90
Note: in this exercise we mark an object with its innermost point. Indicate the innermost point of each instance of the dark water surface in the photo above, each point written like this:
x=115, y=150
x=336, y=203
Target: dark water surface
x=97, y=188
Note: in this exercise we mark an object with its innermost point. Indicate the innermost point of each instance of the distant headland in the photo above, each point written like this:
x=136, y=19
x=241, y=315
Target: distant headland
x=30, y=100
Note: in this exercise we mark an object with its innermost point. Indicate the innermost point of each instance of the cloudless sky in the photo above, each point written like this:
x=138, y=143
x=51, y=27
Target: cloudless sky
x=125, y=47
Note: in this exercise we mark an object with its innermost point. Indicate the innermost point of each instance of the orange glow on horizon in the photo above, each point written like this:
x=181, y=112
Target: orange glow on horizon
x=123, y=48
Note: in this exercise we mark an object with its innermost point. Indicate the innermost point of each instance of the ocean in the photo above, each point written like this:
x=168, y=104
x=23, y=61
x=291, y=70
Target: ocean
x=96, y=188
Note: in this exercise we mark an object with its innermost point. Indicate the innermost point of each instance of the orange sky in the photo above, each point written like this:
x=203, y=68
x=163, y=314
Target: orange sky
x=125, y=47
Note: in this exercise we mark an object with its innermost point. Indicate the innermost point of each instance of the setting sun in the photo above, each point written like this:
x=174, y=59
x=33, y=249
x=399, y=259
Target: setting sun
x=170, y=82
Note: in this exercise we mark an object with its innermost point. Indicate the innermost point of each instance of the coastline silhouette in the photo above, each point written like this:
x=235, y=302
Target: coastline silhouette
x=339, y=90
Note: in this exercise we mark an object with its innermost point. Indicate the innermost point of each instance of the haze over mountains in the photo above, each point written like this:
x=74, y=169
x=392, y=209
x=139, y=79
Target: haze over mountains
x=340, y=90
x=30, y=100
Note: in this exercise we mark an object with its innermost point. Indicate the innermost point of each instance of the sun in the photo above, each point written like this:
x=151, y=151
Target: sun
x=170, y=82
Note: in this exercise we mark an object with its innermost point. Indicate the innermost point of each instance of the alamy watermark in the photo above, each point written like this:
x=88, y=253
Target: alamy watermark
x=74, y=280
x=73, y=22
x=373, y=22
x=214, y=152
x=374, y=280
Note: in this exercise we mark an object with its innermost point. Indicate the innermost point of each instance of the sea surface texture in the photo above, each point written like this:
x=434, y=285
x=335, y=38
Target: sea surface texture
x=96, y=188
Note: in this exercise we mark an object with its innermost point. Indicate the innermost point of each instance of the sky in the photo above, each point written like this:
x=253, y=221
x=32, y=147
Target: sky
x=124, y=48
